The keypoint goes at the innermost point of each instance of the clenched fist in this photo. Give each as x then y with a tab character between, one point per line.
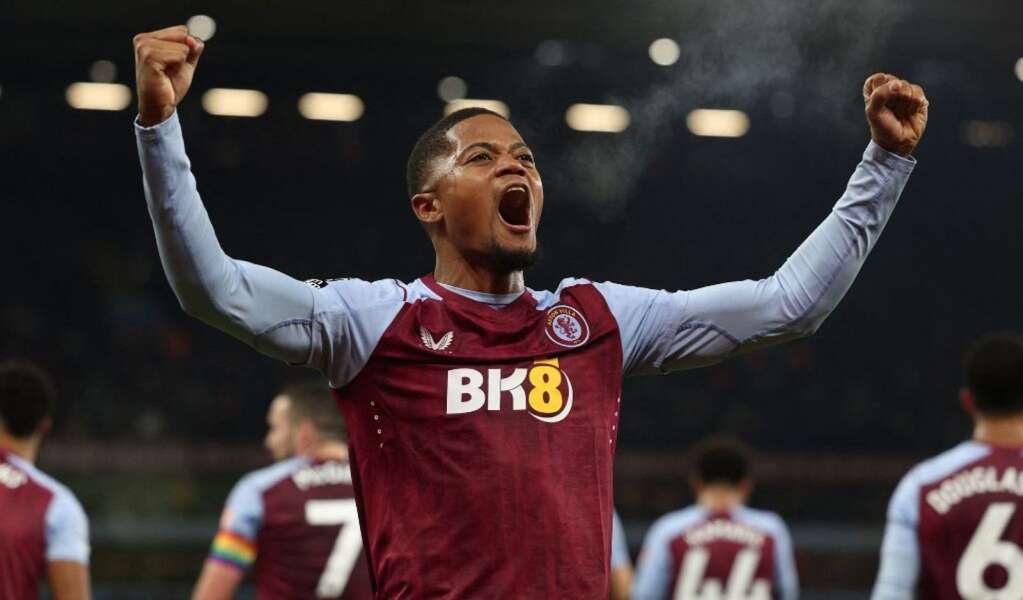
896	111
164	64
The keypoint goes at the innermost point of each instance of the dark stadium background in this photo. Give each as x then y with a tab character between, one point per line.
159	414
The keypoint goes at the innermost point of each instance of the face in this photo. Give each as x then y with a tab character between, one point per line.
280	435
488	194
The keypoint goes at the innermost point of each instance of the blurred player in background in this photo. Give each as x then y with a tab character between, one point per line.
955	524
44	534
482	414
297	518
718	548
621	564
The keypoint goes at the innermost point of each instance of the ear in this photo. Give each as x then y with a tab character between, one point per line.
426	206
306	437
695	484
44	427
967	401
745	488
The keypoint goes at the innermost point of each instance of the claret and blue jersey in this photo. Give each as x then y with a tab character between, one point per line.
955	528
483	426
696	553
40	521
297	521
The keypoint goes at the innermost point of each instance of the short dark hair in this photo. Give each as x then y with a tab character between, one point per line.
434	143
27	397
994	373
311	399
722	460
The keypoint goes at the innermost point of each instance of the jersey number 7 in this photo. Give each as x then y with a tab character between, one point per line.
346	548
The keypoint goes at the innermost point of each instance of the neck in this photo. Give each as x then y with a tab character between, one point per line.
454	269
327	451
999	431
719	498
26	448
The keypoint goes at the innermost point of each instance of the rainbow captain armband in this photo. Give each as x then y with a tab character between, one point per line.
233	549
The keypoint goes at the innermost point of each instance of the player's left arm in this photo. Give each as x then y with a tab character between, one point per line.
664	331
900	550
653	568
67	548
218	581
234	548
621	565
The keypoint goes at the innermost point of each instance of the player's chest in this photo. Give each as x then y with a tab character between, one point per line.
546	365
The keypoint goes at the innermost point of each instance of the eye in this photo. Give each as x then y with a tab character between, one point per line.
479	157
527	158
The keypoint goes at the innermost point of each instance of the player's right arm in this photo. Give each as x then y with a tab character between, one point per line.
67	548
331	328
226	293
900	551
68	580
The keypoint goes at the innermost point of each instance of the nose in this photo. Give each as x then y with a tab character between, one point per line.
509	165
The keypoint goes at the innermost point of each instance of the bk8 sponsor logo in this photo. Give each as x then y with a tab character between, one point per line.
543	390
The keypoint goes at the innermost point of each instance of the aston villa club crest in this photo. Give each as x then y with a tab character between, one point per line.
565	326
439	345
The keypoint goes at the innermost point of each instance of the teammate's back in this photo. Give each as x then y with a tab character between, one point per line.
296	519
43	529
717	548
954	525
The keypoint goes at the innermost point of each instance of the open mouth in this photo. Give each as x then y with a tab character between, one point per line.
514	207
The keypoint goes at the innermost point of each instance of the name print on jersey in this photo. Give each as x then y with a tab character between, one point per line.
978	480
11	477
549	395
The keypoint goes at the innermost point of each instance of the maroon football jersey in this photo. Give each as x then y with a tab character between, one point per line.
298	519
40	521
723	558
695	554
518	405
970	529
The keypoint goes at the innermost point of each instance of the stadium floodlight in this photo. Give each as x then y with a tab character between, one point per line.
98	96
987	134
664	52
103	71
712	122
202	27
452	88
228	102
331	107
1019	69
604	118
495	105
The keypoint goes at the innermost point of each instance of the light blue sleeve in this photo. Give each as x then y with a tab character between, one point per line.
653	568
243	511
332	330
900	551
67	529
664	331
619	545
785	566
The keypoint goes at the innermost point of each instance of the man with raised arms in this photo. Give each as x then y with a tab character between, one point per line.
482	414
